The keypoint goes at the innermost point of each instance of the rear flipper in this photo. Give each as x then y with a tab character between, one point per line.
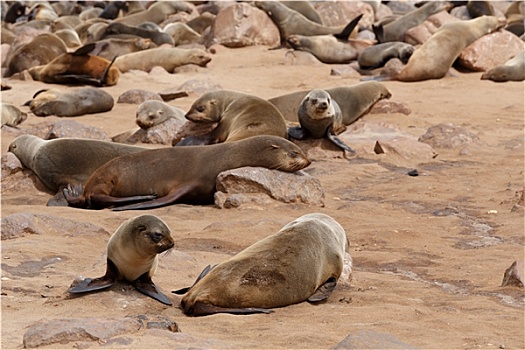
145	285
73	195
337	141
324	291
58	200
202	309
296	132
92	285
348	29
196	140
204	272
162	201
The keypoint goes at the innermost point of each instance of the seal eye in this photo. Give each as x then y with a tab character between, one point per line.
156	237
314	101
294	154
200	109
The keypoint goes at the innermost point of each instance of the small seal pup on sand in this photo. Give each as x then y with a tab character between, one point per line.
303	261
320	116
151	113
168	58
133	256
164	176
11	115
512	70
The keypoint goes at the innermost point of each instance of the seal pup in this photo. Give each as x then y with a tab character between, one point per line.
132	255
64	161
354	100
239	116
151	113
319	117
512	70
78	67
164	176
70	103
435	57
378	55
301	262
168	58
11	115
156	13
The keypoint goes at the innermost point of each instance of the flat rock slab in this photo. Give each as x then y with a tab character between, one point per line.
162	133
137	96
372	340
447	135
252	182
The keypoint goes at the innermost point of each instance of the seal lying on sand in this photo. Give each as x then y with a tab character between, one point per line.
133	256
303	261
512	70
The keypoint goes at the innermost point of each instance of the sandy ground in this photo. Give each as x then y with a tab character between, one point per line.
429	251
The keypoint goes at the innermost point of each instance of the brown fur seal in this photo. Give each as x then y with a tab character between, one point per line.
156	13
11	115
181	33
77	68
301	262
151	113
354	100
239	116
512	70
167	58
74	102
133	256
305	8
435	57
158	37
319	117
111	48
69	37
60	162
41	50
378	55
165	176
395	30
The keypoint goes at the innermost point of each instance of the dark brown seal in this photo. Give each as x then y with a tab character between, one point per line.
133	256
164	176
378	55
301	262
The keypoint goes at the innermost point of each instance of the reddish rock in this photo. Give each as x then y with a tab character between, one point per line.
71	128
340	13
300	58
385	106
158	134
345	71
137	96
10	164
514	275
448	136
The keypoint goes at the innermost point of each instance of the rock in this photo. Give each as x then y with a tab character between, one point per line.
401	7
199	87
461	13
385	106
316	149
243	25
162	133
514	275
491	50
405	147
20	224
340	13
372	340
63	331
297	187
71	128
419	34
10	164
297	58
192	129
448	136
382	11
137	96
344	71
172	94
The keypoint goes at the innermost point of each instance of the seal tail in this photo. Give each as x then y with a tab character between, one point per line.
349	28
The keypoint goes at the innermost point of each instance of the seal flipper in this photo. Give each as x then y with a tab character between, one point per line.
102	200
324	291
84	50
348	29
297	132
204	272
104	77
145	285
196	140
171	197
379	32
337	141
202	309
92	285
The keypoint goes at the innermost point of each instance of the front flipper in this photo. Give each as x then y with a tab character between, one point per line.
324	291
202	309
337	141
296	132
204	272
162	201
92	285
145	285
348	29
196	140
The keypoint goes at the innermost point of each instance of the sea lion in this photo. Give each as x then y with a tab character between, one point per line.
64	161
11	115
301	262
396	29
69	37
42	11
354	100
201	22
305	8
165	176
435	57
78	67
512	70
151	113
70	103
116	29
111	48
41	50
112	9
168	58
132	255
239	116
181	33
480	8
320	116
15	10
156	13
378	55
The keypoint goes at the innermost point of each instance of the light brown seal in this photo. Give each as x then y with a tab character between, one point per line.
64	161
11	115
151	113
512	70
77	68
239	116
115	30
70	103
354	101
165	176
301	262
305	8
156	13
111	48
320	116
132	255
435	57
378	55
168	58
